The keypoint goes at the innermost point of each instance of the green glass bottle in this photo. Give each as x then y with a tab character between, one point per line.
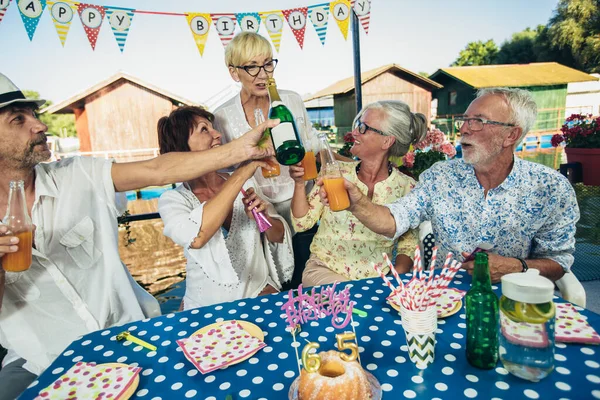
286	140
482	317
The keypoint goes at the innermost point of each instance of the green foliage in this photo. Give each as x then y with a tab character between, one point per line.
571	37
424	74
62	125
424	160
477	53
124	222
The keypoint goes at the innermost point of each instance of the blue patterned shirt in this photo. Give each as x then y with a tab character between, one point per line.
532	214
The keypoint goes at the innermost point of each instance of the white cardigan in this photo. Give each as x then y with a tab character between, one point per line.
230	120
225	269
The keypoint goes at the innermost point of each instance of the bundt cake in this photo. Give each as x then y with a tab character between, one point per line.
336	379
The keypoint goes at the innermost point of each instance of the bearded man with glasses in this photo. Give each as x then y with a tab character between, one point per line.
525	212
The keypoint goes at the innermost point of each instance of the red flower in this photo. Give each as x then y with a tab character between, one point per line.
348	138
556	140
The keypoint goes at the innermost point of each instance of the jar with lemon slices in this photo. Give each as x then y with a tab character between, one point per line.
527	325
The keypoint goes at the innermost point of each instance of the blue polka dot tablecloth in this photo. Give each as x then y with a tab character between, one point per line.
166	374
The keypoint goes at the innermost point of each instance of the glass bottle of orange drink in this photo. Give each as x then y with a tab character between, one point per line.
19	224
259	118
332	177
309	162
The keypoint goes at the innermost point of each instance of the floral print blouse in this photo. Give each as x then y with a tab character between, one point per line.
342	242
532	214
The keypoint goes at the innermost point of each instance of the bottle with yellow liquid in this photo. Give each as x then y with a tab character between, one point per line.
275	170
527	325
332	177
19	224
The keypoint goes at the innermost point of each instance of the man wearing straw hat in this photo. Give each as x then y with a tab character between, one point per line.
76	282
524	211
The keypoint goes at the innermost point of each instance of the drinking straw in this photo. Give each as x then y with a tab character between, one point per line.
358	312
394	272
389	284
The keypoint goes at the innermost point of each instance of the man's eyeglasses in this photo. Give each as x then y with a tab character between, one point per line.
477	124
254	70
363	128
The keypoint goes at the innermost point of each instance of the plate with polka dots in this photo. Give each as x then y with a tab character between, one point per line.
449	303
249	327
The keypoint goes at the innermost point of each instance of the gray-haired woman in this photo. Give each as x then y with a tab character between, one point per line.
343	248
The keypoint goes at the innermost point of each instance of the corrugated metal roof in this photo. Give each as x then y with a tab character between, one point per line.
347	85
515	75
64	106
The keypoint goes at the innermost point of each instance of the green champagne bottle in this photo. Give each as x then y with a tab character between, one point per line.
482	317
285	137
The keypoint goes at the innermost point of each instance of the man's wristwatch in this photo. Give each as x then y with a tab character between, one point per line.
523	263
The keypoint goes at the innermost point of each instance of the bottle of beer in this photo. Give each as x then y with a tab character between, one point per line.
19	224
482	317
286	140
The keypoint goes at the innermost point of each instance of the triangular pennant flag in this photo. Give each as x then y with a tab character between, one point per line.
319	15
274	23
296	18
3	7
225	24
362	9
340	9
200	26
62	13
31	11
248	22
119	20
91	17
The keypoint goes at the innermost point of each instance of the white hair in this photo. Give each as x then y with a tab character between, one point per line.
407	127
523	109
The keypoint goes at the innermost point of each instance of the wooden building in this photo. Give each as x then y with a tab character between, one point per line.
118	116
546	81
389	82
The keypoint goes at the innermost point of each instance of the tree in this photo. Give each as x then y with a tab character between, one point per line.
575	30
62	125
477	53
520	49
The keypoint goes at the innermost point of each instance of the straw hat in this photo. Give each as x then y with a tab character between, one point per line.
9	94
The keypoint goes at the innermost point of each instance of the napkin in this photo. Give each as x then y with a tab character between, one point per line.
89	381
571	327
523	333
219	347
446	304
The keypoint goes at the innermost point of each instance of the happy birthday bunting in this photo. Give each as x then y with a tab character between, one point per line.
274	23
31	11
62	13
3	7
119	20
200	26
296	18
362	9
91	17
248	22
225	24
340	9
319	15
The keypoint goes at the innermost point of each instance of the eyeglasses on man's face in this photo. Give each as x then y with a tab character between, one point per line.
254	70
477	124
363	128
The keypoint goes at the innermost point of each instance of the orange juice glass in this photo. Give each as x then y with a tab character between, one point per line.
309	163
21	259
336	193
273	172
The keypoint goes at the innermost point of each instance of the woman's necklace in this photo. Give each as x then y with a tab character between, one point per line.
390	166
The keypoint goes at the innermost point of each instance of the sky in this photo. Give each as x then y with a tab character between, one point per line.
419	35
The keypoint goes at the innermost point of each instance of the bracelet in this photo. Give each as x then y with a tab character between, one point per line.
523	263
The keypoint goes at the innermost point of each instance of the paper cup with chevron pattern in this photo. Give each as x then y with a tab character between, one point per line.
419	327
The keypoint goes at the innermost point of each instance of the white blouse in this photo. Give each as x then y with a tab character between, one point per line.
225	268
230	120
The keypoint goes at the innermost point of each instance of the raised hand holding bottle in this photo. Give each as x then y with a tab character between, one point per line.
337	195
